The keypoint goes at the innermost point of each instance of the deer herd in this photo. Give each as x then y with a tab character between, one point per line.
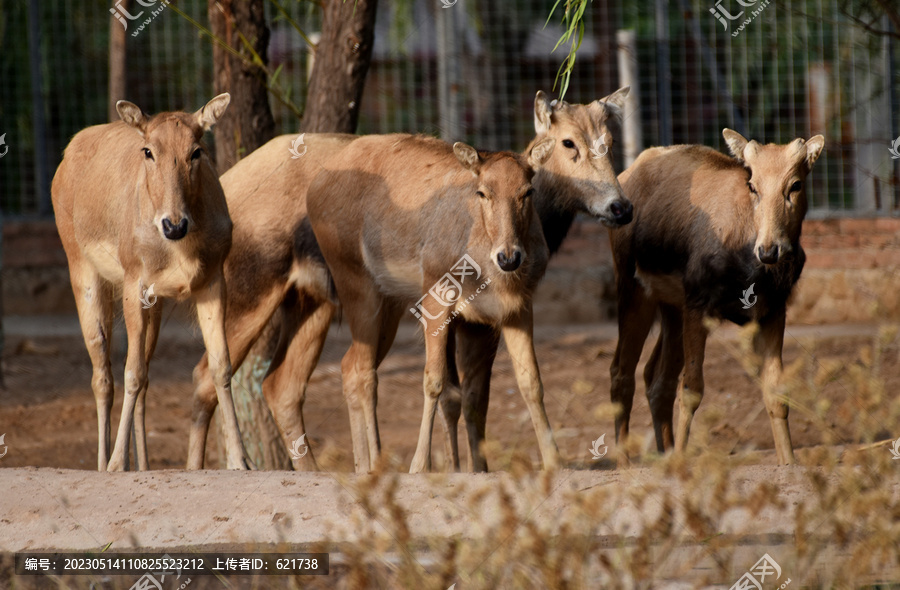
384	227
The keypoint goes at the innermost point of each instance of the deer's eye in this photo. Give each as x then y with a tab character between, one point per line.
795	188
568	143
196	154
481	195
752	188
148	154
528	194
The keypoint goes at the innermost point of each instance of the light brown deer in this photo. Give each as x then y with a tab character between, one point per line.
275	263
275	266
400	220
715	237
141	215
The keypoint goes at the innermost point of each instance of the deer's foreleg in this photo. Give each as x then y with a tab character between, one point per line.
518	333
433	383
768	344
154	316
476	350
136	323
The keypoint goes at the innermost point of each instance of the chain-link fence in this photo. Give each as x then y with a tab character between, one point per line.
469	70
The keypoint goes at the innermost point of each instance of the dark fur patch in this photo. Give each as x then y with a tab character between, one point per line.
715	283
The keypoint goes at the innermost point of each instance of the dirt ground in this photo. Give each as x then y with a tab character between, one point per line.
48	413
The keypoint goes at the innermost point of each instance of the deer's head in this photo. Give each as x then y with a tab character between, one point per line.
175	162
777	186
580	174
503	188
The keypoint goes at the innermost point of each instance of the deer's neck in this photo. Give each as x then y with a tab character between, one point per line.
554	209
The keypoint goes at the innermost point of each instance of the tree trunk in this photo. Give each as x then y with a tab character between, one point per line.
342	61
118	79
335	90
247	125
248	122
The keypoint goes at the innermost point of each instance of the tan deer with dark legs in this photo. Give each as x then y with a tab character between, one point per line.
138	205
707	228
577	178
395	218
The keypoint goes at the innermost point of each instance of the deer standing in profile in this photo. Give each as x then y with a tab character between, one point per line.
708	231
140	210
275	265
395	216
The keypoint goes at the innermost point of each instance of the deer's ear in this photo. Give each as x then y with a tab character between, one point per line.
468	157
540	153
736	143
212	111
814	147
132	115
615	102
543	112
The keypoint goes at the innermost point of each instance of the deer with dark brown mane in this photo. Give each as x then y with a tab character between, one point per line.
141	214
275	265
713	237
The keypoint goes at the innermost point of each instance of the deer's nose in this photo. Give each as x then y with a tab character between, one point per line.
622	212
767	255
174	231
509	263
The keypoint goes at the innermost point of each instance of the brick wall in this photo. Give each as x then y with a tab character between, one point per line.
852	273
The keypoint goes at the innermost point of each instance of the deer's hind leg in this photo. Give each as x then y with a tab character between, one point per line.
95	298
662	373
636	314
694	338
243	327
304	330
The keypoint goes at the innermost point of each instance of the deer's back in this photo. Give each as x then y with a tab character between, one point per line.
94	192
691	241
266	194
